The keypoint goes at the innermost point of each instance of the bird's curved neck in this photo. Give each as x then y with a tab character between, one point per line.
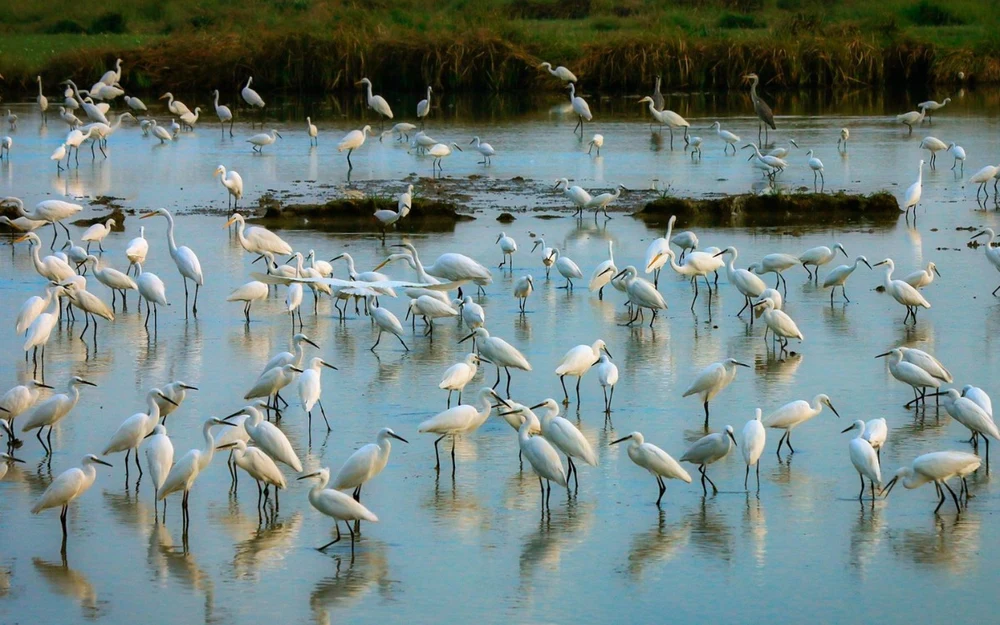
170	233
209	451
154	409
350	265
368	85
216	99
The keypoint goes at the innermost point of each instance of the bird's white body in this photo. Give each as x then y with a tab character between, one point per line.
176	393
653	459
270	439
263	139
604	271
299	342
151	287
909	373
729	138
272	381
231	180
376	102
257	464
457	376
159	456
18	399
40	330
822	255
541	455
970	414
709	449
565	436
461	419
335	504
559	72
366	463
863	456
795	413
753	439
68	485
976	394
922	277
580	106
901	291
915	191
257	239
928	363
54	409
185	471
778	321
500	352
98	232
712	380
876	432
577	195
566	267
133	430
311	384
578	361
838	275
250	96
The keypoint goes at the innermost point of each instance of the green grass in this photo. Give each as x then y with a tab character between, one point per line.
530	29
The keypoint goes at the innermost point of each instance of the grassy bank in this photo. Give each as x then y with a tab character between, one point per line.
321	45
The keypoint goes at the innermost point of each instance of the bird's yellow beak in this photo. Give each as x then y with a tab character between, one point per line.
229	223
147	215
21	238
381	264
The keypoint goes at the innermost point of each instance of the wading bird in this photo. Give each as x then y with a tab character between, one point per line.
336	505
707	450
186	260
794	414
658	462
186	470
760	108
937	467
69	485
712	380
864	459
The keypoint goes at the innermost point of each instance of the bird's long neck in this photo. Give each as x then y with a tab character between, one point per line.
74	396
428	95
887	276
350	265
89	475
38	259
572	91
611	252
369	86
154	410
216	99
170	234
40	85
209	451
753	89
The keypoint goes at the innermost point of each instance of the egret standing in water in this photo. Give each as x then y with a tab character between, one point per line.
186	470
253	100
257	239
485	149
53	410
566	437
310	389
658	462
607	375
577	362
794	414
908	373
352	141
268	437
543	458
458	376
261	140
508	246
913	193
712	380
819	256
707	450
159	458
233	183
641	294
67	487
424	106
838	277
603	272
462	419
522	289
336	505
186	260
903	292
580	108
130	434
499	352
992	253
864	459
366	463
754	437
937	467
376	102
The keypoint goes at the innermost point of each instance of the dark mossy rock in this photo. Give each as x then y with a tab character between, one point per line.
117	214
783	209
356	215
505	218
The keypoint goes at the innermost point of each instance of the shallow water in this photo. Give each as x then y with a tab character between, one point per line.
803	544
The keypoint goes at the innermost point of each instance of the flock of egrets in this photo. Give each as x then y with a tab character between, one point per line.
259	447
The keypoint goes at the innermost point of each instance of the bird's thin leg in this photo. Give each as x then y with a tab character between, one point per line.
758	476
746	477
335	540
578	379
953	496
453	456
661	487
706	414
941	494
437	458
508	396
862	493
323	412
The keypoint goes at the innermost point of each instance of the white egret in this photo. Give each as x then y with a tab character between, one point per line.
485	149
712	380
776	264
972	416
322	267
603	272
845	134
422	141
233	182
707	450
928	363
933	145
264	139
151	289
387	217
133	430
729	138
52	268
40	330
352	141
596	142
668	117
794	414
137	249
53	410
69	485
566	437
522	289
253	99
864	458
113	76
658	462
34	306
52	211
6	458
5	145
547	260
376	102
753	439
816	166
271	382
311	389
770	165
230	436
958	152
819	256
67	116
401	130
932	105
783	152
224	114
386	322
257	239
135	104
910	118
159	132
913	193
922	277
440	151
190	119
17	400
937	467
992	253
543	458
641	293
577	195
580	108
974	393
430	309
11	120
176	393
366	463
459	420
299	341
91	305
74	253
559	72
176	107
451	267
838	277
656	252
312	131
424	106
694	267
98	232
577	362
508	246
607	376
760	107
749	285
186	470
566	268
22	224
910	374
248	294
601	202
902	292
186	260
42	101
499	352
876	433
336	505
259	466
473	315
268	437
457	376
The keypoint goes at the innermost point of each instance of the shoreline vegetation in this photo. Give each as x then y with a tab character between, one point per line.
316	46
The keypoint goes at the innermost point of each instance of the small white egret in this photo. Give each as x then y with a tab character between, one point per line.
712	380
658	462
601	202
98	232
641	293
485	149
937	467
257	239
922	277
312	131
175	394
430	309
580	108
933	145
707	450
776	264
271	382
543	458
499	352
902	292
508	246
908	373
729	138
336	505
910	118
151	289
299	342
386	217
864	458
559	72
259	466
462	419
224	114
566	437
268	437
992	253
819	256
566	268
838	277
440	151
577	362
376	102
248	294
958	152
876	433
186	470
386	322
522	289
749	285
366	463
932	105
607	376
547	260
352	141
233	182
186	260
69	485
816	166
577	195
913	193
603	272
457	376
53	410
972	416
753	439
264	139
794	414
424	106
133	430
596	142
137	249
253	99
845	134
311	389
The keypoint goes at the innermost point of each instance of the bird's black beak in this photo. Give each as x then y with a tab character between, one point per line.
607	352
468	337
398	437
311	343
4	409
883	355
834	410
235	414
847	429
741	364
732	438
99	461
188	387
719	254
498	239
10	457
621	440
165	398
888	487
870	267
501	399
537	406
617	275
328	365
936	271
40	385
89	384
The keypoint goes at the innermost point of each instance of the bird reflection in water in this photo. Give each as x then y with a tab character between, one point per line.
709	532
557	530
168	563
354	579
266	548
657	545
67	582
952	543
755	528
866	535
